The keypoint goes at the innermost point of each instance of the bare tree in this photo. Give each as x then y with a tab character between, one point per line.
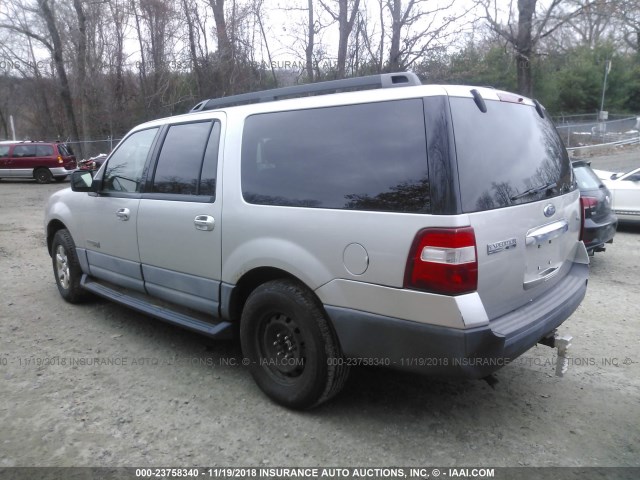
524	36
345	16
415	29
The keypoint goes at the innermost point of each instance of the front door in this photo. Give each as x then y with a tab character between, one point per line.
109	219
179	219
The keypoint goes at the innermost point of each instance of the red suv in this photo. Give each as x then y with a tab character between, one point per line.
39	160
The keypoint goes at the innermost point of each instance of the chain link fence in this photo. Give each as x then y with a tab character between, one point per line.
580	131
90	148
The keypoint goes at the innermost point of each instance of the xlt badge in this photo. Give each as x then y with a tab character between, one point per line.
500	246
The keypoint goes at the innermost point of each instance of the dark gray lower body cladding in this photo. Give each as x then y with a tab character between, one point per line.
150	306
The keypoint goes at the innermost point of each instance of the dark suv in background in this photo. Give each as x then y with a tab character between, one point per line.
42	161
599	223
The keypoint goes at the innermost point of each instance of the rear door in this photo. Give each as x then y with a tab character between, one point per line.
179	218
517	187
21	161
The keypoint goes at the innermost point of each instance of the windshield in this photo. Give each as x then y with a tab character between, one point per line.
507	156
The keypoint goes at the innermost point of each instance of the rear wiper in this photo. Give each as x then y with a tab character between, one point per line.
533	190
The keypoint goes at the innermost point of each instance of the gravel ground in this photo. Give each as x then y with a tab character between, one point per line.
161	396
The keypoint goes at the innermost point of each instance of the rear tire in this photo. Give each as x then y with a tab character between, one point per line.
43	175
294	355
66	267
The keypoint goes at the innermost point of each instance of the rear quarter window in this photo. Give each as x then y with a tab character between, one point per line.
20	151
358	157
507	156
44	151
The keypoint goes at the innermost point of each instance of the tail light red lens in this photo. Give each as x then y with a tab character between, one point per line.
588	205
444	261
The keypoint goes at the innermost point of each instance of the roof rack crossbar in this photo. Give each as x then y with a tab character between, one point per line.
385	80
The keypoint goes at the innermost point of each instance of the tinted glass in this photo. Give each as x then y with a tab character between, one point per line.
210	165
180	160
507	156
362	157
4	151
125	168
586	178
24	151
44	150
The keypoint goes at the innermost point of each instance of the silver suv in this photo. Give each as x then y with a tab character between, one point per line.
420	227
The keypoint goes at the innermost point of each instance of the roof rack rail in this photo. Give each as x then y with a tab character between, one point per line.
385	80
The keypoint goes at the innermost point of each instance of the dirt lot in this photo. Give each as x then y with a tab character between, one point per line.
173	398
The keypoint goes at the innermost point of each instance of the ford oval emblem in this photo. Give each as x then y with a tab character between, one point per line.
549	210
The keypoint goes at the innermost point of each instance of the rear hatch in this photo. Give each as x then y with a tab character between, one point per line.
517	186
68	157
591	186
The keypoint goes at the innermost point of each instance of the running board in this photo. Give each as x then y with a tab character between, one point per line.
142	303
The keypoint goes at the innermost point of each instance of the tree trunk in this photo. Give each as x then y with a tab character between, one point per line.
310	43
345	26
224	44
524	46
395	8
82	68
58	60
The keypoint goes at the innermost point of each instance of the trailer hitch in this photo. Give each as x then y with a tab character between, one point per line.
562	344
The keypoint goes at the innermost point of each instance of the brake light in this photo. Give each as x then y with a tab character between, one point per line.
443	260
588	205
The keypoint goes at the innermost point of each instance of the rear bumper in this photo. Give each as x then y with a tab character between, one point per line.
372	339
598	233
61	171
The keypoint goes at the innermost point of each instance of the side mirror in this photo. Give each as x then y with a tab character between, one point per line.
82	181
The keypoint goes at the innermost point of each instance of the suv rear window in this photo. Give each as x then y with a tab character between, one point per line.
359	157
65	150
507	156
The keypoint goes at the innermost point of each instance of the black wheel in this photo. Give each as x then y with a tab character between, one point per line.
66	268
43	175
293	353
60	179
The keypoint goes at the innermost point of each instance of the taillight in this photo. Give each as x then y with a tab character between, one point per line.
60	159
443	260
588	205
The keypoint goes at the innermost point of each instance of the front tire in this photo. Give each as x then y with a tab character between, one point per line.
43	175
66	267
293	353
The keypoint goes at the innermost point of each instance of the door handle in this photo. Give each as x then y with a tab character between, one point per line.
547	232
204	222
123	214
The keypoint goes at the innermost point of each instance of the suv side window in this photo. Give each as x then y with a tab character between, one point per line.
44	151
125	169
4	151
359	157
187	163
21	151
